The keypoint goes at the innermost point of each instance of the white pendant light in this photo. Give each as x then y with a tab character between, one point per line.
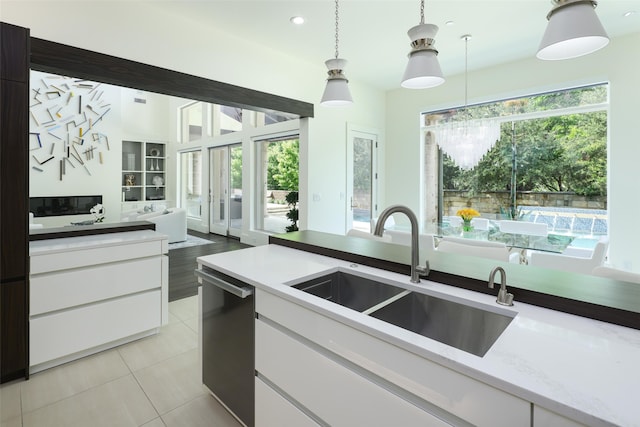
423	70
573	30
336	93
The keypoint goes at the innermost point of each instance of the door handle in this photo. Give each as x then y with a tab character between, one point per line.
224	285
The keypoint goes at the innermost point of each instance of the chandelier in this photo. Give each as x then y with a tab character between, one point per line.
467	140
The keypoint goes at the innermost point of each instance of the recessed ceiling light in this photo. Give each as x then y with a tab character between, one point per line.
629	13
449	23
298	20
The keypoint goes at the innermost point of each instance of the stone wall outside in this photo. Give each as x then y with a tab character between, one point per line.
489	204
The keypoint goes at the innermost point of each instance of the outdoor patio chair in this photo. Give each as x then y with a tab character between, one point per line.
571	263
524	227
614	273
477	248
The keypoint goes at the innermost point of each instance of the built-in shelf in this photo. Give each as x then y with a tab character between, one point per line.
143	171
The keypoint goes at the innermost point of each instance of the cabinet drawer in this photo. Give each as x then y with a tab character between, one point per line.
69	288
75	258
274	410
314	380
457	394
545	418
70	331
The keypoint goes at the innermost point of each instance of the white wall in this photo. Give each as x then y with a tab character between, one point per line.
617	64
140	32
93	178
125	120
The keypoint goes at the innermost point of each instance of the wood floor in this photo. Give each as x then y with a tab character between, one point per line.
182	263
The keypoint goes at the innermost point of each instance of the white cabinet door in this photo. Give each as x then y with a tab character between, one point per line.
274	410
70	288
454	393
69	331
334	393
545	418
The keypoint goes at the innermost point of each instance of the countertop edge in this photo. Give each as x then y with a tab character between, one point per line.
572	411
576	307
88	230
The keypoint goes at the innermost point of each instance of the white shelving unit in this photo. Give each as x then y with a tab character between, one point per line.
143	172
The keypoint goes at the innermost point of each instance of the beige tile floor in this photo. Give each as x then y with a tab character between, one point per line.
152	382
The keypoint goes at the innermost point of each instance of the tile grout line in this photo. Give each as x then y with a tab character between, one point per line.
118	377
74	395
148	399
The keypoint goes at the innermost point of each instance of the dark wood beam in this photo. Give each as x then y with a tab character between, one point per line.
52	57
14	202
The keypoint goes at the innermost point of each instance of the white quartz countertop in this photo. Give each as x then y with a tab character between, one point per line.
584	369
65	244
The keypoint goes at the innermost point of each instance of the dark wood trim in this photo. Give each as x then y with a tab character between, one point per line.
18	54
14	347
52	57
14	202
368	253
89	230
14	53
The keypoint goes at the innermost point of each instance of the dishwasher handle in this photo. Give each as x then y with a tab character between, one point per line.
241	292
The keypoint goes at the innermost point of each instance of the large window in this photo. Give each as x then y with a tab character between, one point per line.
191	183
191	122
277	195
550	161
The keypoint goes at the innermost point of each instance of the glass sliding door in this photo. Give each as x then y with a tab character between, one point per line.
225	174
235	190
191	183
218	174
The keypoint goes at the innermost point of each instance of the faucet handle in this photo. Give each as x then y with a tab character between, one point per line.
423	271
504	297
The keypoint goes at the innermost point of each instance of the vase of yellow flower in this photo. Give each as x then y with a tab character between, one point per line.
467	214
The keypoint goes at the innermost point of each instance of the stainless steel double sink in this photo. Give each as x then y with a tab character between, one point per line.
462	326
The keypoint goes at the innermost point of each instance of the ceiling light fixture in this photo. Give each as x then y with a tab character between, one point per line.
423	70
336	93
467	140
573	30
297	20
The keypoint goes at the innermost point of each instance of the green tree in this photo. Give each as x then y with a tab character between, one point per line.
283	165
560	153
236	167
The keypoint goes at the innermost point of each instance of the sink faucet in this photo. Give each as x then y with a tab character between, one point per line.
504	298
416	270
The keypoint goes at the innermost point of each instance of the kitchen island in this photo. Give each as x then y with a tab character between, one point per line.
321	363
93	291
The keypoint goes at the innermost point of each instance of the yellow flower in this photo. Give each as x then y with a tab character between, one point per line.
467	213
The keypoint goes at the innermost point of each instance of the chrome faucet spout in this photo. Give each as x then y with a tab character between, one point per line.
504	297
416	270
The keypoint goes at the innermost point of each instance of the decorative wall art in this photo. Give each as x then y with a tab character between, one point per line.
65	117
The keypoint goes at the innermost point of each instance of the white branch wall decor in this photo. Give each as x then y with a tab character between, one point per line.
65	118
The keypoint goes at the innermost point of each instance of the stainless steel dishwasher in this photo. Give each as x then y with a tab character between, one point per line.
228	365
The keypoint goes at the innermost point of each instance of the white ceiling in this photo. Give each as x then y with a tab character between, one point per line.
373	33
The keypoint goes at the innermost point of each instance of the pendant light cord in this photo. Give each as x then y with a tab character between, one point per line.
466	38
337	29
466	71
422	12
